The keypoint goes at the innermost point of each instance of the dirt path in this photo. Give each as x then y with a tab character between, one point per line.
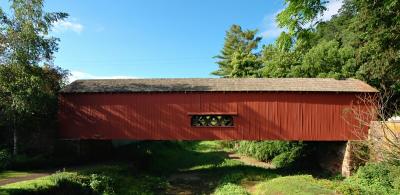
188	183
30	176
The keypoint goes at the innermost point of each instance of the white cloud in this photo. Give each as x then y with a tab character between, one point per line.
63	25
76	75
332	8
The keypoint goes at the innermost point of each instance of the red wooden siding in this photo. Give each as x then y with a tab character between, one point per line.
166	116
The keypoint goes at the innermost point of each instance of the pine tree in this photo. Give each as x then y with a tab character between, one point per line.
238	57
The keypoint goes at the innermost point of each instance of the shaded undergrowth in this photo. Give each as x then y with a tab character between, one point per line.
159	168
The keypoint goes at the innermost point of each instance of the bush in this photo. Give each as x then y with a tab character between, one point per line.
373	178
262	150
5	159
281	153
92	184
70	183
101	184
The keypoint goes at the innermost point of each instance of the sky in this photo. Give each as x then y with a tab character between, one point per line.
154	38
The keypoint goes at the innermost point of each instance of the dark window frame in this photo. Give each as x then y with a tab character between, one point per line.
221	120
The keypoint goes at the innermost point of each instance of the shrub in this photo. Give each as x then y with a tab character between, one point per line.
288	158
73	182
373	178
281	153
70	183
101	184
261	150
5	159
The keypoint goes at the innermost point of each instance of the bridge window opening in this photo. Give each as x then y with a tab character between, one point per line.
212	121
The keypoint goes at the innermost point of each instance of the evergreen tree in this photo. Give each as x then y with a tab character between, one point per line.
239	58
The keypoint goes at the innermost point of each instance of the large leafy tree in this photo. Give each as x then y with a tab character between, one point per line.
361	41
28	85
238	57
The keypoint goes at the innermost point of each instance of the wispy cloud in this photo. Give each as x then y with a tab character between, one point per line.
76	75
332	8
65	25
270	28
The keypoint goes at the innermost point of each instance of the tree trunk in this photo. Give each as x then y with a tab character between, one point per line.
15	138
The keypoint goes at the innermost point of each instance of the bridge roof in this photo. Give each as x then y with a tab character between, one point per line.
217	85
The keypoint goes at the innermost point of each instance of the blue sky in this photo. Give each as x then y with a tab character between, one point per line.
154	38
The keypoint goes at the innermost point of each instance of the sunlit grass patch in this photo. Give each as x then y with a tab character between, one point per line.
230	189
42	182
299	184
9	174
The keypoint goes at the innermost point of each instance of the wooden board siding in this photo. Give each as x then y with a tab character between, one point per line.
166	116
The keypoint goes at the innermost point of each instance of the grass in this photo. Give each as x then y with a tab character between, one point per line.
198	167
299	184
10	174
31	184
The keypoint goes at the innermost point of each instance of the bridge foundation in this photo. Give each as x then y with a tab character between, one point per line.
338	157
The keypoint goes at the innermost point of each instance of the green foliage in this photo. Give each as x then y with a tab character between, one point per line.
101	183
281	153
232	178
28	84
263	150
214	172
230	189
378	178
299	13
359	42
299	184
64	183
70	182
26	33
288	158
238	57
5	159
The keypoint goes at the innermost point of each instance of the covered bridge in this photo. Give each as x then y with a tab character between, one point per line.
209	109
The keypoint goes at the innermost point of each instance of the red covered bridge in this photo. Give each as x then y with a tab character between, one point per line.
208	109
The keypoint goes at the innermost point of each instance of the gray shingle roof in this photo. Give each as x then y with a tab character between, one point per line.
217	84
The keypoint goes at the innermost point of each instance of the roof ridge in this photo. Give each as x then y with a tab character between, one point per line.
217	84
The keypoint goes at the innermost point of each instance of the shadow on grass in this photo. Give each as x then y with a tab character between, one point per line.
164	157
147	168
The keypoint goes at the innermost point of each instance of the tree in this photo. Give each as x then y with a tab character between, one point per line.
361	42
238	57
28	89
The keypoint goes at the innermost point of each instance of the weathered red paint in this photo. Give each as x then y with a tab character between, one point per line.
166	116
